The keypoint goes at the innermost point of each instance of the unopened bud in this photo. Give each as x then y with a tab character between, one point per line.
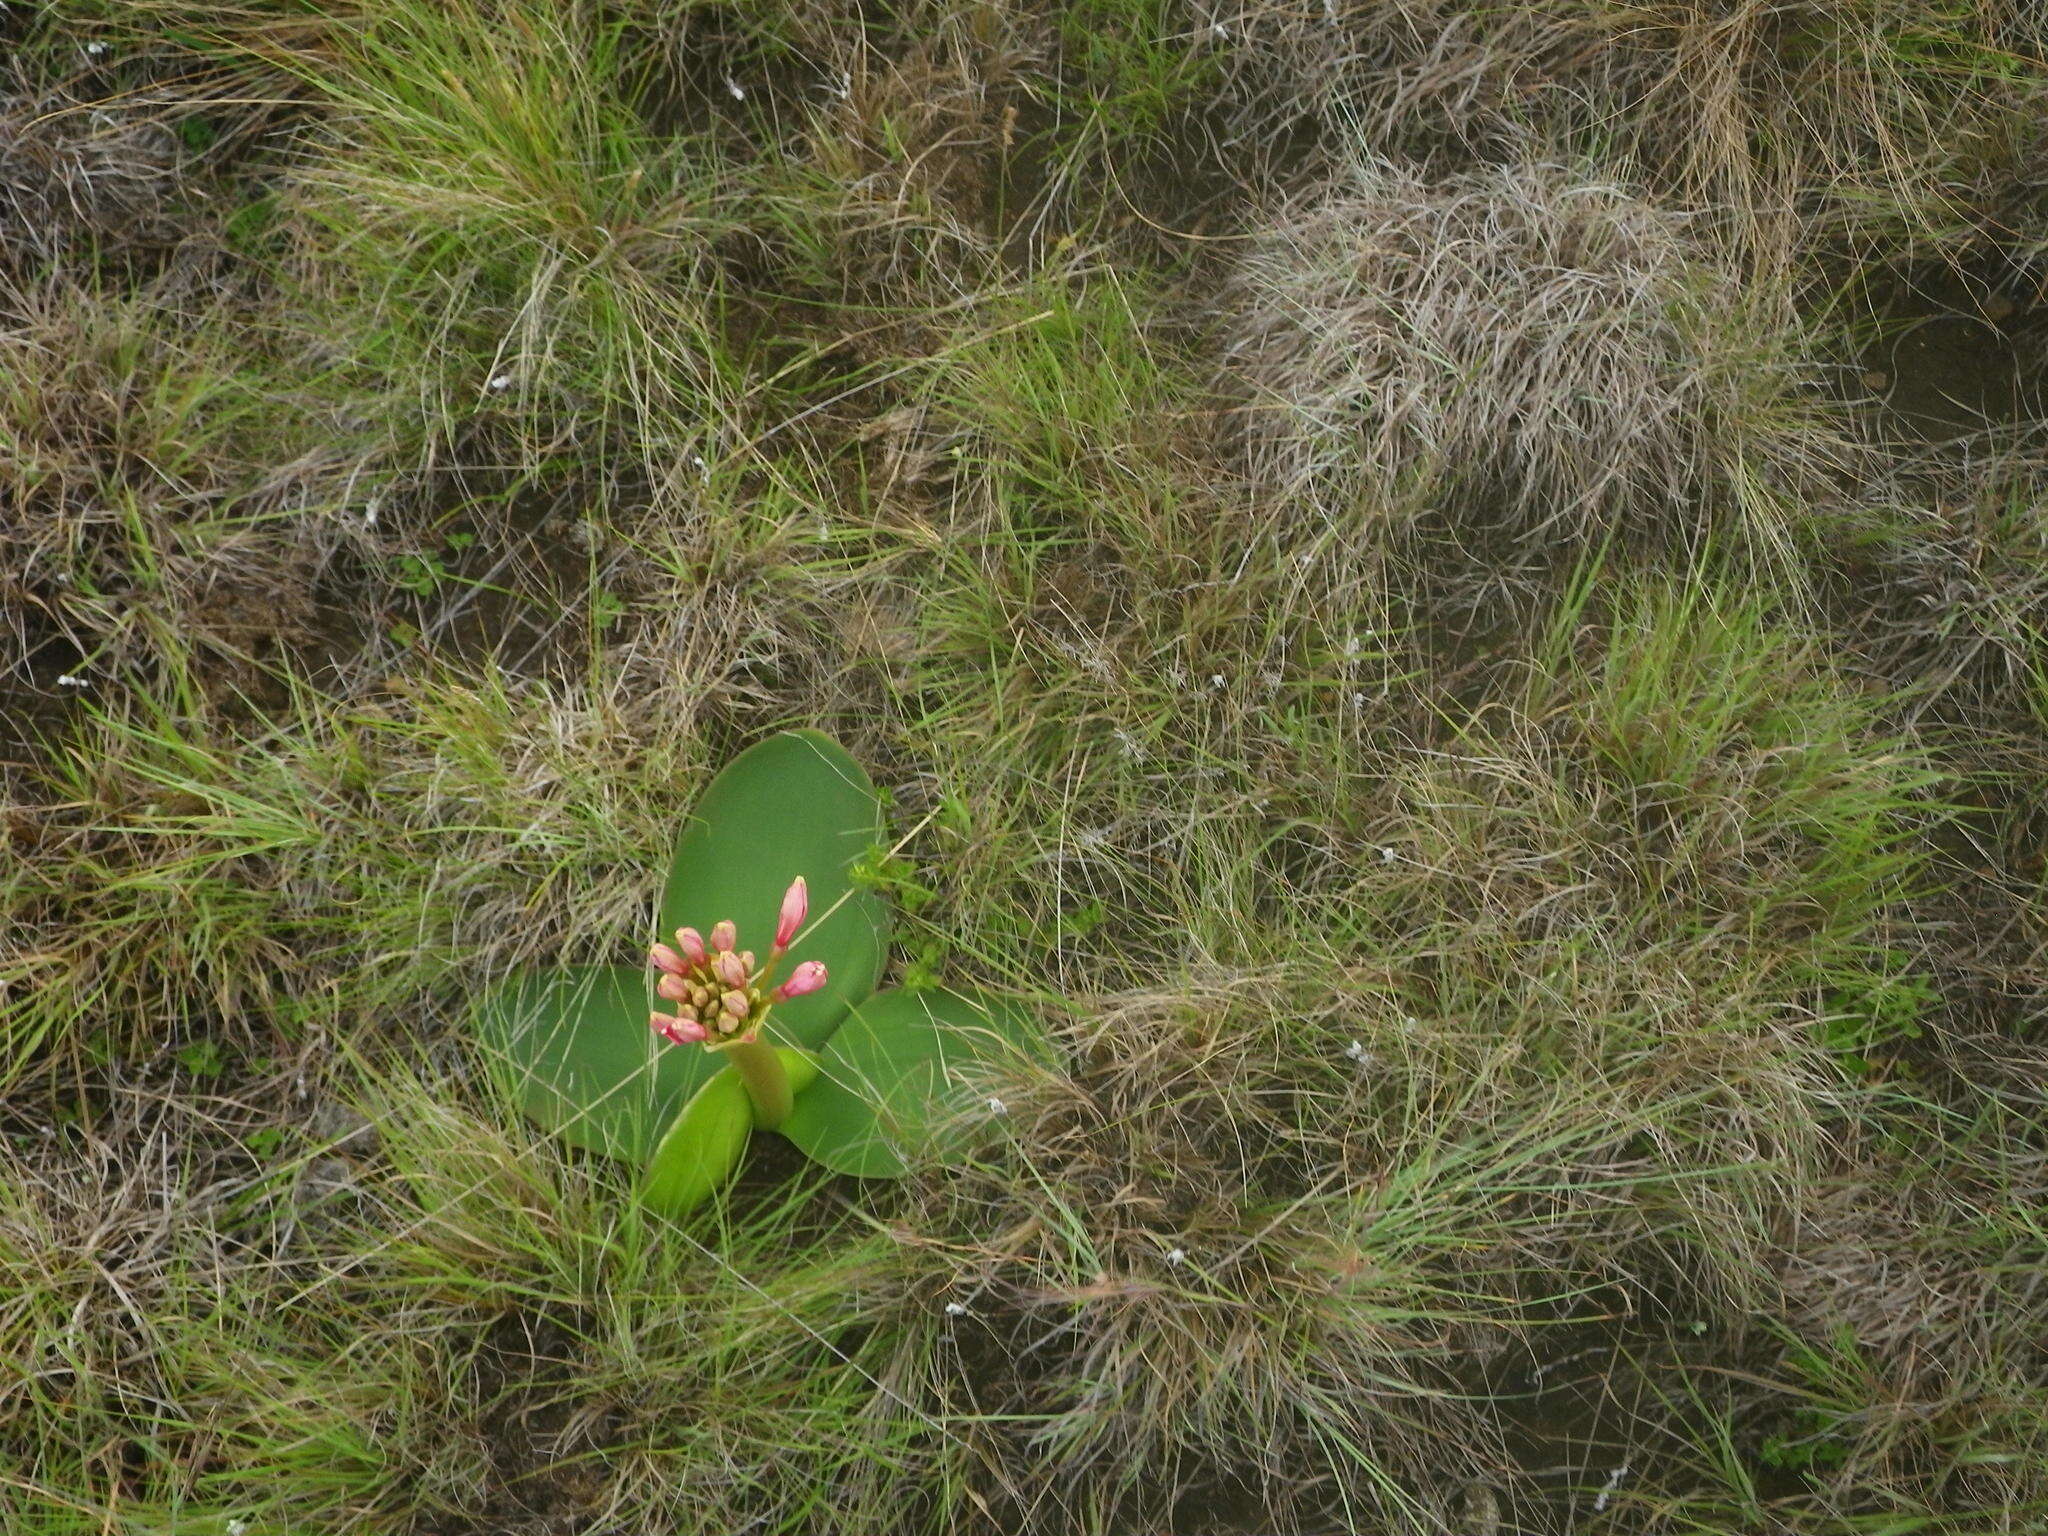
723	937
730	969
693	944
677	1031
663	958
806	978
796	901
737	1003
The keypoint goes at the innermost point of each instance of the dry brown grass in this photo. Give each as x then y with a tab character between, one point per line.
1856	121
1526	350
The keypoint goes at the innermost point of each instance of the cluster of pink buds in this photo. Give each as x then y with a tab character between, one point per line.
721	998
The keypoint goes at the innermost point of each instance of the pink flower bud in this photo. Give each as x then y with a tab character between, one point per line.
677	1031
730	969
674	988
723	937
737	1004
693	944
807	977
796	901
662	958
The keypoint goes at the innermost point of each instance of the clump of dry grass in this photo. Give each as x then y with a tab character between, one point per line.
1527	349
1159	1300
74	173
1951	567
1912	1296
153	500
888	198
1825	120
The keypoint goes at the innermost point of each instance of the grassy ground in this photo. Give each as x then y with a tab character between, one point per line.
1460	590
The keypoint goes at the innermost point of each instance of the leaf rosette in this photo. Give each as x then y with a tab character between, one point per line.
860	1080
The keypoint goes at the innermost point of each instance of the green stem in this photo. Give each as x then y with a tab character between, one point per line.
766	1081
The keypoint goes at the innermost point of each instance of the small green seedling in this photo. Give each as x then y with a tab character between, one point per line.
854	1077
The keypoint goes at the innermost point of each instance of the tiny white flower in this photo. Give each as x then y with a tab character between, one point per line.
1216	679
370	513
237	1528
1388	855
1607	1490
1356	1050
501	381
997	1106
1220	30
1358	701
733	89
702	464
956	1309
94	50
66	680
1176	1256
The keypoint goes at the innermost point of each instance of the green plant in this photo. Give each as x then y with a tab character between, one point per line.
1810	1446
852	1076
1869	1017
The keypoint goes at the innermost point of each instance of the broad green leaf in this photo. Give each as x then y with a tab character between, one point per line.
795	804
894	1070
802	1067
702	1149
584	1061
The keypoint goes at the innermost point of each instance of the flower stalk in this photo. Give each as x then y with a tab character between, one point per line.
765	1079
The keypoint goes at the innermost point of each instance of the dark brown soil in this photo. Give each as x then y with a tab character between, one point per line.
1953	356
539	1485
